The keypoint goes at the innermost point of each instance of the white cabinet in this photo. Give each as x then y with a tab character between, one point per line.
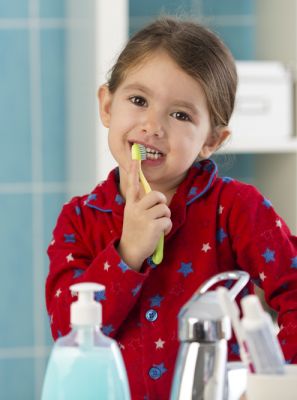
275	158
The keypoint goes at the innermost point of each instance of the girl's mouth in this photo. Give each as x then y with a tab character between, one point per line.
150	153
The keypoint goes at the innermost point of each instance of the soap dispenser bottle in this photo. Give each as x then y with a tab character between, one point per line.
85	364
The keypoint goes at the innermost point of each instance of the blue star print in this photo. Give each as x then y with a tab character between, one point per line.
77	210
267	203
78	272
100	295
294	262
69	238
221	235
123	266
107	329
244	292
185	269
193	191
268	255
161	368
136	290
119	199
156	300
228	283
235	348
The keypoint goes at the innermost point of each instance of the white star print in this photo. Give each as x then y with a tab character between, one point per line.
159	344
278	223
52	319
262	276
58	292
106	266
121	346
221	208
69	257
52	242
205	247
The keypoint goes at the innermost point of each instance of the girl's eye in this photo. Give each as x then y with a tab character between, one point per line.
181	116
138	101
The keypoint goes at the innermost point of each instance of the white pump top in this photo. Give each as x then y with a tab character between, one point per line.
86	311
252	308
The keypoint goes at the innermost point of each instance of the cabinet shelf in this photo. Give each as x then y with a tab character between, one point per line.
277	146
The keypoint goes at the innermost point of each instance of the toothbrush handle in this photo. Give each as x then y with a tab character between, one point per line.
144	182
158	253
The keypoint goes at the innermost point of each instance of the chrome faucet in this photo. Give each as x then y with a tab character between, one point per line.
204	329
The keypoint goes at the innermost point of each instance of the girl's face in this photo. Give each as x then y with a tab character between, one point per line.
163	108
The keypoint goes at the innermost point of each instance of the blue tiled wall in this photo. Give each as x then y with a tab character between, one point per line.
15	155
14	8
32	182
234	22
17	378
53	104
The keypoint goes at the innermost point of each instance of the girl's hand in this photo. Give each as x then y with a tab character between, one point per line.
145	219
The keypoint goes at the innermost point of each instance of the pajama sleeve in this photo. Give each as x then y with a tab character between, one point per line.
265	247
73	259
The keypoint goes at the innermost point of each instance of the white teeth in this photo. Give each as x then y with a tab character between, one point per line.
153	156
152	151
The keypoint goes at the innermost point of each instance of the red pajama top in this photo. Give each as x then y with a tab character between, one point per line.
219	224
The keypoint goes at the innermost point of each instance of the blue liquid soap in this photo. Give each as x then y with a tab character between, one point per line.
86	365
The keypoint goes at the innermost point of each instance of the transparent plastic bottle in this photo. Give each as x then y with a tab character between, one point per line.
263	346
86	364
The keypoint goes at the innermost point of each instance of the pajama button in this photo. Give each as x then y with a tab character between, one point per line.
151	315
155	373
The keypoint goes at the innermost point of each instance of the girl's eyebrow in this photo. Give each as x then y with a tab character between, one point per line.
188	105
137	86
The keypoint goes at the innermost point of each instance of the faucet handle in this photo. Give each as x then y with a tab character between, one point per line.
241	277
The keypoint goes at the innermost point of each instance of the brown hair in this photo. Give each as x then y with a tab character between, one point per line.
197	50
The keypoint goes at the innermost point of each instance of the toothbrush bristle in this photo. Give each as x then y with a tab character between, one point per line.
142	151
138	152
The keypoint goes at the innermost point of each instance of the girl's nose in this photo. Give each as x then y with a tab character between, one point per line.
152	125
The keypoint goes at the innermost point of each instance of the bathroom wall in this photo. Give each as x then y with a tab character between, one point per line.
34	159
32	181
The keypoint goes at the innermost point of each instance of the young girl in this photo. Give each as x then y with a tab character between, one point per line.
172	90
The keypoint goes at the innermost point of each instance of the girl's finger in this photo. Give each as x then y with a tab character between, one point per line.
132	190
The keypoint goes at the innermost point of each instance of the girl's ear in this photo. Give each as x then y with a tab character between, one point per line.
104	98
214	141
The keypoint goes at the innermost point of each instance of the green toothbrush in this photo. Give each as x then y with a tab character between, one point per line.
138	152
